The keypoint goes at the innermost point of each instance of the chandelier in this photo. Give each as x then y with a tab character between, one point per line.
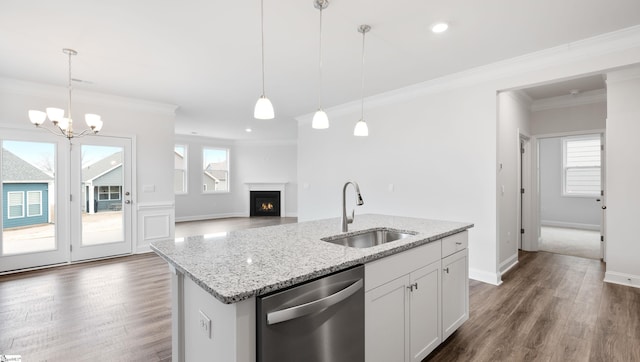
63	126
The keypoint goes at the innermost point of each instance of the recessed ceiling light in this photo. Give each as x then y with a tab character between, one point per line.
194	132
439	27
248	129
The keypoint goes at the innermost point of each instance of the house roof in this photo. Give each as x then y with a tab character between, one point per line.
100	167
15	168
217	170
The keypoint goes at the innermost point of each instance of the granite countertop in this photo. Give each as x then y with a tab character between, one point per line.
242	264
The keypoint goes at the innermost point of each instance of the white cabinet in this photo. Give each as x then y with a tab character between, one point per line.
402	314
414	300
455	292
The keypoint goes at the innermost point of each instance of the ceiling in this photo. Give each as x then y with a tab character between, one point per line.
204	55
566	87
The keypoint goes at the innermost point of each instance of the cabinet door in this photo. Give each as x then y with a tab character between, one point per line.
386	327
425	311
455	292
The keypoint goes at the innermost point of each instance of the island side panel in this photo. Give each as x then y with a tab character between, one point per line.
230	334
177	315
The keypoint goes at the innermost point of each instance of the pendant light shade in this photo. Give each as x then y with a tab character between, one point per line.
263	108
361	129
320	118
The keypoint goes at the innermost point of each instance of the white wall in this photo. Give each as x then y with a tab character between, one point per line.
249	162
437	143
513	121
150	125
556	209
569	119
431	157
623	173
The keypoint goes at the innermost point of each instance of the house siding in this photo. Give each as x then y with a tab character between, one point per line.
26	220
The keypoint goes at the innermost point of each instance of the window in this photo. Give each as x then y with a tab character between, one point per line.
15	204
581	165
180	169
215	165
34	203
106	193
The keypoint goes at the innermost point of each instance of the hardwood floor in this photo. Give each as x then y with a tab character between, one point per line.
549	308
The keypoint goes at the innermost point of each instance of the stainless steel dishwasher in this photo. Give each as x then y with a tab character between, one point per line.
322	320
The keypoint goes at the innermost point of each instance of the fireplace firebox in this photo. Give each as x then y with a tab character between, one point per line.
264	203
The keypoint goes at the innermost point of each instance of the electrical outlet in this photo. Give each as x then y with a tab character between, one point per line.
205	324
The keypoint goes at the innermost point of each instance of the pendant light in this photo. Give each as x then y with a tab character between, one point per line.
361	128
264	108
320	119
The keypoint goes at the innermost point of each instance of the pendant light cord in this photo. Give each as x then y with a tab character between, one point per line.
70	126
262	37
320	63
362	76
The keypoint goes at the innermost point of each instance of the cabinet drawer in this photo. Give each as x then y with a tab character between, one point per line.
454	243
384	270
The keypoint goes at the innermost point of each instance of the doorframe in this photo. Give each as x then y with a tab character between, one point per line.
524	201
535	180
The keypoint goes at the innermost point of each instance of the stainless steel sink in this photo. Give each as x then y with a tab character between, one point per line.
369	238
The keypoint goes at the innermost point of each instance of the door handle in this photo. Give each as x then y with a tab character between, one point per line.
604	208
597	200
315	306
127	201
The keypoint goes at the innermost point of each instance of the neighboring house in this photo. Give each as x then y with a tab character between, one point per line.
102	184
25	192
215	177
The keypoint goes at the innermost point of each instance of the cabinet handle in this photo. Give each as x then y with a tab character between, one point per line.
411	286
416	285
446	270
458	243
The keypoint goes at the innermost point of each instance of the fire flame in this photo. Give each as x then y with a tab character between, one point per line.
267	206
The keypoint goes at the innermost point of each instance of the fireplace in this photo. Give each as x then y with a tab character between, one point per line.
264	203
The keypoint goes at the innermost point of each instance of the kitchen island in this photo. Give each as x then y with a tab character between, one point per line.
216	278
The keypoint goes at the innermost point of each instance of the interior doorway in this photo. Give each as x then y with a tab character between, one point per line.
570	194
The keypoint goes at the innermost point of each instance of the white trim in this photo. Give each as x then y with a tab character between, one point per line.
39	192
9	205
270	186
485	276
623	75
620	40
570	225
629	280
595	96
154	205
508	264
209	217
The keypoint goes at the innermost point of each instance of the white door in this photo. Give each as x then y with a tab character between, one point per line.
101	197
33	221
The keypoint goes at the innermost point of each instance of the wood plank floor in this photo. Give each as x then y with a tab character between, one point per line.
549	308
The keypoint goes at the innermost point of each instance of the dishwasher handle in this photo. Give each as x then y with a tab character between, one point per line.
315	306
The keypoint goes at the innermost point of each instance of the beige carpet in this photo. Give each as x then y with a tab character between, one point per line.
576	242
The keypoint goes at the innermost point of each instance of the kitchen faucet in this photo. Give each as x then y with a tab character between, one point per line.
345	219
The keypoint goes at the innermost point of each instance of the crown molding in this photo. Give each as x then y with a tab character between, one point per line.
623	75
604	44
594	96
33	89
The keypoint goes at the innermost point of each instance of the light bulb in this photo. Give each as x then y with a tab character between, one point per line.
55	114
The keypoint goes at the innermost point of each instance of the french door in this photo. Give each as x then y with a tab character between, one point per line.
100	197
63	201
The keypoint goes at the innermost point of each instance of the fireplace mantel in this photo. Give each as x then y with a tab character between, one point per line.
270	186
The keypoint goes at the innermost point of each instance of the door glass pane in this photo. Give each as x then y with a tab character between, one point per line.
28	194
102	179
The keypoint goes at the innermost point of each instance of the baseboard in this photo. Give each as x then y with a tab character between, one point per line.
622	279
209	217
506	265
485	277
143	249
571	225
